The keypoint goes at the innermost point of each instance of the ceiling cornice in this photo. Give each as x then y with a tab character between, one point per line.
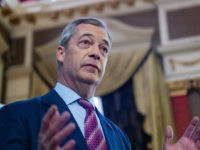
47	15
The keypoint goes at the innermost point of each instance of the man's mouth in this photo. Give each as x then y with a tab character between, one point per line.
92	66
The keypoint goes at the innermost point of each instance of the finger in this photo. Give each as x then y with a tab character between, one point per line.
196	135
47	118
168	135
45	126
55	117
56	125
62	134
69	145
191	127
197	144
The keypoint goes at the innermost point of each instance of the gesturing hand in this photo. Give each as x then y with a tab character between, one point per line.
189	141
52	132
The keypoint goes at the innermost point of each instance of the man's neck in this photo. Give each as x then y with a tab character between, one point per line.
85	91
82	89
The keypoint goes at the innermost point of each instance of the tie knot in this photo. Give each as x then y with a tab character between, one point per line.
86	104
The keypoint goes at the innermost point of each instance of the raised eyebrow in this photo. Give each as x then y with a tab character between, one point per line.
106	42
86	35
91	35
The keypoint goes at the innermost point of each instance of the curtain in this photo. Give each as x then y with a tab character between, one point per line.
3	48
119	106
152	100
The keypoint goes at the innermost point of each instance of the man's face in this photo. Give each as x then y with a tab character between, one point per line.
85	58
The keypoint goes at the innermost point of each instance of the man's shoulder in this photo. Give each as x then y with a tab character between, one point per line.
23	104
20	108
24	107
29	103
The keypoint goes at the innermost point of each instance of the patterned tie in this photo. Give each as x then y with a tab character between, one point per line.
93	134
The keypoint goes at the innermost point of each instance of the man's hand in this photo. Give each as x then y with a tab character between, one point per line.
52	132
189	141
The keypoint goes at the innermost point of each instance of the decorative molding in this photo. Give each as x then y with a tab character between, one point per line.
177	88
184	65
165	6
174	62
181	60
180	45
49	6
45	17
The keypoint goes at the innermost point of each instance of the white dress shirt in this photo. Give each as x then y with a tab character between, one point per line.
70	98
1	106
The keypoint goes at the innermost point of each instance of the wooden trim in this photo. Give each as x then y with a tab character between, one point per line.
181	87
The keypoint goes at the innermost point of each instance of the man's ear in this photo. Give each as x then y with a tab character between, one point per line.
60	53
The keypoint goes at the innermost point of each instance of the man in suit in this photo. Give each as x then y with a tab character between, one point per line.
44	122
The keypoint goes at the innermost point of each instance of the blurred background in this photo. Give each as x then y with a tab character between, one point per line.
153	73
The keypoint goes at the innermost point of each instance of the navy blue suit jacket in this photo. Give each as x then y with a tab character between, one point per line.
20	124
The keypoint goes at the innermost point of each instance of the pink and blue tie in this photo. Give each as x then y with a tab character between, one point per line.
93	134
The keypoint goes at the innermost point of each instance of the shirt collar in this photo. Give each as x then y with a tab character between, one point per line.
67	94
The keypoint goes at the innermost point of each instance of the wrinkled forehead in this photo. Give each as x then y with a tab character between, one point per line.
96	31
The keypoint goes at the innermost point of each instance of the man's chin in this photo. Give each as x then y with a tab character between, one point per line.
91	80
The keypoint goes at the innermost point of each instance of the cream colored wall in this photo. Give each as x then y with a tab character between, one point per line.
18	83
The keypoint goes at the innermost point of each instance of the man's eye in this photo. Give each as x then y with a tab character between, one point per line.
85	42
105	49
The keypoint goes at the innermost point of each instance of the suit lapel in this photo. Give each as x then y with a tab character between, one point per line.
52	98
107	130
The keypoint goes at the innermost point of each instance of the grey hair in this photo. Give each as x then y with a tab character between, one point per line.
70	29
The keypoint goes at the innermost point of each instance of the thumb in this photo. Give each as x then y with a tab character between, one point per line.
168	136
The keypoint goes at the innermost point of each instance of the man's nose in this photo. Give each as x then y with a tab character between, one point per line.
95	52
